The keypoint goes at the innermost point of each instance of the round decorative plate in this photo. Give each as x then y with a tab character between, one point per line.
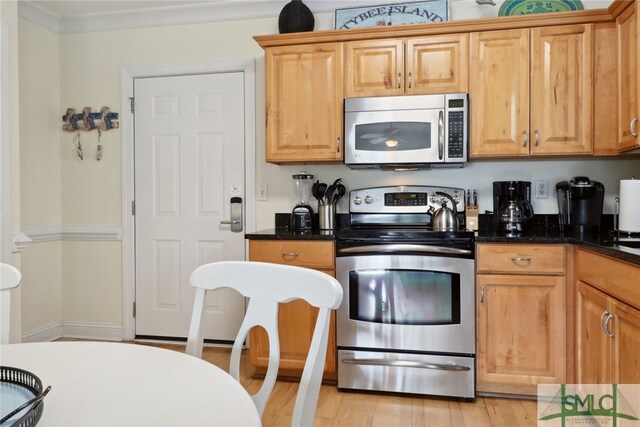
526	7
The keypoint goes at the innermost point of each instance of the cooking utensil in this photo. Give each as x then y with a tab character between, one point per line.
469	198
329	193
322	189
475	199
25	405
317	194
340	191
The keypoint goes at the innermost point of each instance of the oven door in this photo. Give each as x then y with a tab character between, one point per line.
394	137
407	303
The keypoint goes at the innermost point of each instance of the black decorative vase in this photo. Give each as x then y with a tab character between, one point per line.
295	17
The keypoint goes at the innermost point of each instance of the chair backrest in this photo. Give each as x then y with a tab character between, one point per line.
9	278
266	285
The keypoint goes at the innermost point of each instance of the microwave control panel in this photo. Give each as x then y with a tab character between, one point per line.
457	126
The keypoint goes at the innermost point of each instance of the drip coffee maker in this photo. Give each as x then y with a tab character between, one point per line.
302	214
511	205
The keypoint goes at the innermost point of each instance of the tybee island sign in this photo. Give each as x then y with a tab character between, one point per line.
392	14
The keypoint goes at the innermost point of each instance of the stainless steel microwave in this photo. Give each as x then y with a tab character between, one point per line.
406	132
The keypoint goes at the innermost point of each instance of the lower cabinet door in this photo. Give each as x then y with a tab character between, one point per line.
296	322
626	343
521	333
593	346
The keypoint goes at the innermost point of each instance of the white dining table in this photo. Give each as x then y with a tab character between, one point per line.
118	384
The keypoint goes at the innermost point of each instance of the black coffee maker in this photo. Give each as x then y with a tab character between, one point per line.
580	205
511	205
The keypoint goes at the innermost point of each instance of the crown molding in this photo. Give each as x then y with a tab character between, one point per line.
215	11
38	15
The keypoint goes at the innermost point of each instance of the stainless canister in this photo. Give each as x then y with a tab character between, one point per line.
327	217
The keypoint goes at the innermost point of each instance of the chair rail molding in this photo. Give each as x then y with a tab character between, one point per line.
90	232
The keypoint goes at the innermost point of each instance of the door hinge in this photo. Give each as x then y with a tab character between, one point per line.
132	101
133	207
134	309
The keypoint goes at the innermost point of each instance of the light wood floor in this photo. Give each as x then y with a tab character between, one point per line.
354	409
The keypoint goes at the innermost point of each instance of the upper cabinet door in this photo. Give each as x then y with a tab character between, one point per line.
437	64
303	94
499	93
374	68
628	76
561	90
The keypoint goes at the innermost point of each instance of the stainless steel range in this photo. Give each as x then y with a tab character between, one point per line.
407	321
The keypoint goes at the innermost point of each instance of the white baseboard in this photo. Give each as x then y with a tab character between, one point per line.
46	333
90	331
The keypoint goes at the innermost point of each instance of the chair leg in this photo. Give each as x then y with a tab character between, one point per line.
195	338
305	407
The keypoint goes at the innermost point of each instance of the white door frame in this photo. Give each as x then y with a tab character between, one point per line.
127	76
6	236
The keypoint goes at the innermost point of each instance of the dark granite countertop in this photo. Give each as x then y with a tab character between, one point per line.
283	233
543	229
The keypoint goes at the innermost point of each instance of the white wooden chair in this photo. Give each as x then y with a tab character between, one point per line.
9	278
266	285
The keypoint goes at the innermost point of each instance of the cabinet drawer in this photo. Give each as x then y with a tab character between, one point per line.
617	278
318	255
520	259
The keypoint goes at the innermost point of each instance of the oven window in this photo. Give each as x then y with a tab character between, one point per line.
404	297
393	136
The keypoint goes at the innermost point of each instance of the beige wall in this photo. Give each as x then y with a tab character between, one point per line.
9	17
90	191
39	53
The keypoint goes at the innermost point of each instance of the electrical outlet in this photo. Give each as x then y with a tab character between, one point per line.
542	189
263	192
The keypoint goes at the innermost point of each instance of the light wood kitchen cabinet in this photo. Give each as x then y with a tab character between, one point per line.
520	311
303	94
411	66
628	78
607	320
532	91
296	319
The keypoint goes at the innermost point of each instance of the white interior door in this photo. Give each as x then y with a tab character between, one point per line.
189	162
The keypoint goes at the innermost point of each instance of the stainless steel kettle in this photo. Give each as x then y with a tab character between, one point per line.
444	218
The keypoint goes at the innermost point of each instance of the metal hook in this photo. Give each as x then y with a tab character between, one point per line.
79	146
99	150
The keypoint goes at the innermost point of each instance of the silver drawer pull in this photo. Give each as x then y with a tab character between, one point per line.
290	254
405	364
520	258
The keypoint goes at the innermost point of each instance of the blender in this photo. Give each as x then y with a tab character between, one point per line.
302	214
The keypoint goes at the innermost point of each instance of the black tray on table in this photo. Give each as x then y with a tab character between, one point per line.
26	383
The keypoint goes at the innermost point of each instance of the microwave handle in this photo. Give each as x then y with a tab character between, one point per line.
440	134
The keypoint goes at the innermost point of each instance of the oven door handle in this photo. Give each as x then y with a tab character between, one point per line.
405	364
396	247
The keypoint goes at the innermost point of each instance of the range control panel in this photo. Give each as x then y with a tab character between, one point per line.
403	199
